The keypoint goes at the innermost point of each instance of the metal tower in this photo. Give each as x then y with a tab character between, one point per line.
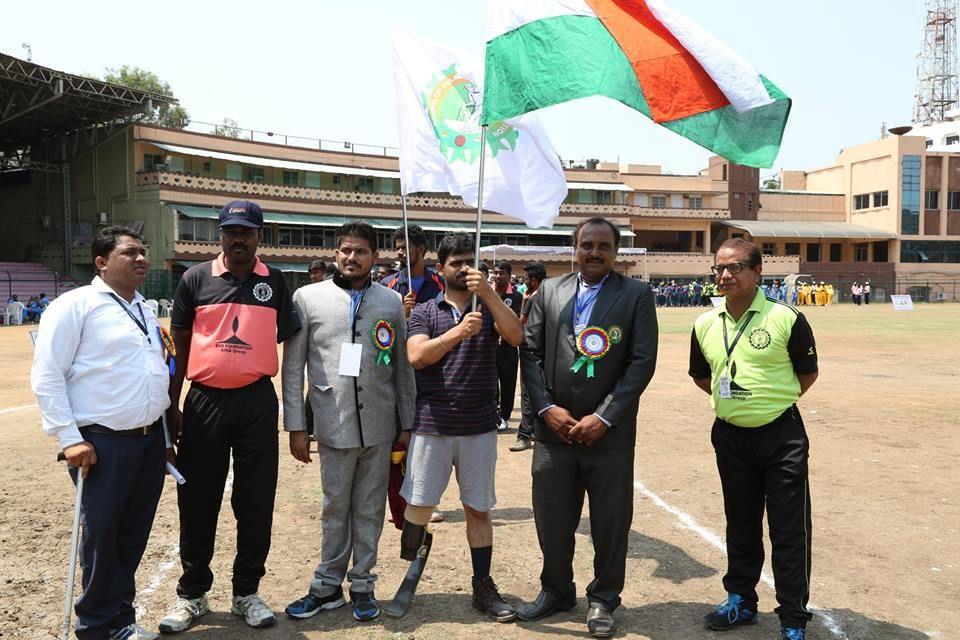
937	90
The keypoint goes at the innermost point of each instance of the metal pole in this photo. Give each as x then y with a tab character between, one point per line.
406	240
476	252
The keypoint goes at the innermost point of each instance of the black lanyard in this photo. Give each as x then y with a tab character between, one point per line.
731	347
140	325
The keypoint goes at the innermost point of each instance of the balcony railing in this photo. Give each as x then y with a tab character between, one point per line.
392	200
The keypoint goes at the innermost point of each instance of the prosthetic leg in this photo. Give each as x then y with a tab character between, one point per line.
415	542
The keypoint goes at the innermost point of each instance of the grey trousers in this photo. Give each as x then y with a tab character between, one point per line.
354	499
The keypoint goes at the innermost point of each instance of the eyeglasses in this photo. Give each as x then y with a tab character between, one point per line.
734	268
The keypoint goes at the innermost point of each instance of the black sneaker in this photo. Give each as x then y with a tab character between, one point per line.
486	599
733	612
310	605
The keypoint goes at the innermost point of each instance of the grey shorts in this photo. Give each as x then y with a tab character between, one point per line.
431	459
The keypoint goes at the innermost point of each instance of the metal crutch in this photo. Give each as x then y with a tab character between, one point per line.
74	544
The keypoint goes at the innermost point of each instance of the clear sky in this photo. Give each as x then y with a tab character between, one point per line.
322	69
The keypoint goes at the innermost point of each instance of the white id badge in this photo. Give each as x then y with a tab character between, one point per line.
725	392
350	353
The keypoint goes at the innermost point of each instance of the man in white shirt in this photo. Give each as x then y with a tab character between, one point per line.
101	379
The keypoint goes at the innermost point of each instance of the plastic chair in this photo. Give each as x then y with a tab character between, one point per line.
13	313
154	306
164	306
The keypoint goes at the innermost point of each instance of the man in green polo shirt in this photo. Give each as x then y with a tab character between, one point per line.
756	356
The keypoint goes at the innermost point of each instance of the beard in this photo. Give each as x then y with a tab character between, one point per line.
457	284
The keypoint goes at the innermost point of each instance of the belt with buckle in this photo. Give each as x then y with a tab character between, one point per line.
139	431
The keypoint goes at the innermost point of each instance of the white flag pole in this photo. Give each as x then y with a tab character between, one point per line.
476	247
406	240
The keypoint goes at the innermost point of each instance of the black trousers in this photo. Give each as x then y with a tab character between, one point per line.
561	475
527	416
508	359
762	468
216	423
120	496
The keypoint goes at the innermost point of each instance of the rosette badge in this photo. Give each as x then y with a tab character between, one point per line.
593	343
383	337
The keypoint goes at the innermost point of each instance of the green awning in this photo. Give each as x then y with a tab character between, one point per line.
317	220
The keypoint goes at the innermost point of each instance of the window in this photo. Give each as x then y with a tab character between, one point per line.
953	140
861	201
696	202
337	180
150	160
268	234
184	228
658	201
175	164
207	168
256	174
943	251
290	237
836	252
931	199
205	230
365	185
910	188
489	240
584	196
953	200
813	252
791	249
318	237
291	178
517	241
724	178
604	197
385	240
234	171
880	198
860	252
769	249
880	252
313	180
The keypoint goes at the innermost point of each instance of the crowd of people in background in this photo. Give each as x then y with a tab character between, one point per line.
34	307
684	294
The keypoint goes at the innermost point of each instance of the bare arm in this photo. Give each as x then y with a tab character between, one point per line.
806	381
704	384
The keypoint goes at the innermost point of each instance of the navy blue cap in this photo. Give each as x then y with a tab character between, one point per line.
243	213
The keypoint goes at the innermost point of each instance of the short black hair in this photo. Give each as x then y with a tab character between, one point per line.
454	244
483	266
583	223
317	265
536	269
107	239
417	237
503	265
357	229
756	256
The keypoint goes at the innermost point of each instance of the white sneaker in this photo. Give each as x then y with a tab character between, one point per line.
132	632
183	613
254	610
503	425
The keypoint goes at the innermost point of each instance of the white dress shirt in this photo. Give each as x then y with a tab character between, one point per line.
93	364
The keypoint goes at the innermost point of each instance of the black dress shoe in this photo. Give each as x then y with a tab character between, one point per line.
545	605
600	622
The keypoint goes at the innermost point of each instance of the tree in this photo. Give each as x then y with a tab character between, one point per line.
773	182
172	116
228	128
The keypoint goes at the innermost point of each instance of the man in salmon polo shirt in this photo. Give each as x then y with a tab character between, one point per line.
228	316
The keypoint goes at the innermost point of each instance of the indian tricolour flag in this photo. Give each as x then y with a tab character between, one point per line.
641	53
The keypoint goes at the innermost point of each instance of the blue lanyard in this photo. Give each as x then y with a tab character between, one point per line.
356	297
580	305
140	325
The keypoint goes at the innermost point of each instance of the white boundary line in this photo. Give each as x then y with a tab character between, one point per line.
689	522
20	408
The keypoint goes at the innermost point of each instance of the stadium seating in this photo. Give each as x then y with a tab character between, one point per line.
28	279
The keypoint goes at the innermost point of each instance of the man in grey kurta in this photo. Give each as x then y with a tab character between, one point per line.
356	401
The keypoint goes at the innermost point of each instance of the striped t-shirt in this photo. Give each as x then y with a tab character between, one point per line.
456	396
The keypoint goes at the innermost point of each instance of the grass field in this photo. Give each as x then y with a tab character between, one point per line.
884	424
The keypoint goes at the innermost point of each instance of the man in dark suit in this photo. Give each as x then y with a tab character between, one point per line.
590	350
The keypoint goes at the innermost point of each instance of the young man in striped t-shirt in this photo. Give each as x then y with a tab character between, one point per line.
454	352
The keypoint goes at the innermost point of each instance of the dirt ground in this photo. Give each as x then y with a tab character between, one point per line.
883	420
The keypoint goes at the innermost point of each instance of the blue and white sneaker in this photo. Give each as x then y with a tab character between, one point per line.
792	633
310	605
731	613
132	632
365	607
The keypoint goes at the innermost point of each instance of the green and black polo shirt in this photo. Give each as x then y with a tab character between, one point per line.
775	346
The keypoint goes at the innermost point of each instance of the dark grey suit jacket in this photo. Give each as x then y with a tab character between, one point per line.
549	351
